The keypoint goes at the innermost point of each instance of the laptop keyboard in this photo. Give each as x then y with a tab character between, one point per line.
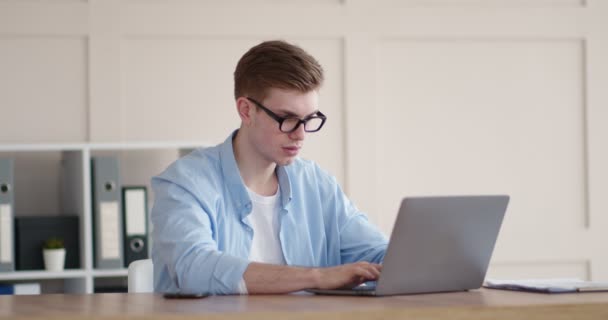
366	286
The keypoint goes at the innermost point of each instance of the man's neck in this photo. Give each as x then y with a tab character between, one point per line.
257	173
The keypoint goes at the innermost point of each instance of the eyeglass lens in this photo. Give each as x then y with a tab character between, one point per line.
311	125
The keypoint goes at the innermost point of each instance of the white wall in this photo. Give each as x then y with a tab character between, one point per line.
423	97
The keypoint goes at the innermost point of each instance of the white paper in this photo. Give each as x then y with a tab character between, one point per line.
6	239
110	230
135	205
547	285
27	288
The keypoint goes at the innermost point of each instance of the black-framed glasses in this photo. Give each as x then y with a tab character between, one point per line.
312	123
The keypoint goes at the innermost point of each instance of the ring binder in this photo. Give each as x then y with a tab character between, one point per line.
135	223
107	220
7	255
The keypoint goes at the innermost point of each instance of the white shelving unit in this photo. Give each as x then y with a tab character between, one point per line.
138	163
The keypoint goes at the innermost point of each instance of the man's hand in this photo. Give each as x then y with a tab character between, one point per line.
261	278
348	275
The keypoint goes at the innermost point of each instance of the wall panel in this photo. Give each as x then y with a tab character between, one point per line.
540	270
44	88
476	116
488	3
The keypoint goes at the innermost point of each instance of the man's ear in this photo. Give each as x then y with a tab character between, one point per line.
244	108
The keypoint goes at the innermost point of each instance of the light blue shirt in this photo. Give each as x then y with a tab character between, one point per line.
201	236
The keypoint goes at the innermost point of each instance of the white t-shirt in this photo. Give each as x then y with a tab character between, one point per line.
264	220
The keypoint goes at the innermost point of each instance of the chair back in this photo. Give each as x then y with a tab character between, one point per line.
141	276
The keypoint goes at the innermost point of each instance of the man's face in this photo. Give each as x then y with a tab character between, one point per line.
268	140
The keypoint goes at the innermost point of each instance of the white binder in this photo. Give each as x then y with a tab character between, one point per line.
135	223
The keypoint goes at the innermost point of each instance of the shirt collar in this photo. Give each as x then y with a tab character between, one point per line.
236	186
285	185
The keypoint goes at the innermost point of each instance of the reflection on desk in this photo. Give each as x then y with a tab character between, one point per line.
476	304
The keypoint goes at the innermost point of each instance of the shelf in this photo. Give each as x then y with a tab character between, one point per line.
62	174
146	145
42	147
41	274
102	146
110	273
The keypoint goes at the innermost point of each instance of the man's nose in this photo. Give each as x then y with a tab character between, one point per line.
299	133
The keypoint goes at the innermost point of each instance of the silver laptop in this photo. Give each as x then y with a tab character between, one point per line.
438	244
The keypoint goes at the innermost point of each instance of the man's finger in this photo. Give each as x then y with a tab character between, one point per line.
376	272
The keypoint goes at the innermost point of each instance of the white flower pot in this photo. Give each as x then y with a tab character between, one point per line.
54	259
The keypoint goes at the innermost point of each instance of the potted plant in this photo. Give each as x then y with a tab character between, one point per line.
54	254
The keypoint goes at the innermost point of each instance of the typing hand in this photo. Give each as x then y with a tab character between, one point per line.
348	275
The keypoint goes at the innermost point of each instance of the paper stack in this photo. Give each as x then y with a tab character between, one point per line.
557	285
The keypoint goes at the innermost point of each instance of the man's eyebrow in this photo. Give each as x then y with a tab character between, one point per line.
291	114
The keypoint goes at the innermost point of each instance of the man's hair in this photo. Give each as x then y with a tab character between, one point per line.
276	64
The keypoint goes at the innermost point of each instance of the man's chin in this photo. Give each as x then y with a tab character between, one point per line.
286	161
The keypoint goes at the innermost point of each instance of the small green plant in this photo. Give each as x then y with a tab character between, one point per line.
53	243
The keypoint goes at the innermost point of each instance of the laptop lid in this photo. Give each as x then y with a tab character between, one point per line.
441	244
438	244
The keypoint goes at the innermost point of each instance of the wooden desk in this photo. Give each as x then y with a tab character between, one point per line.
476	304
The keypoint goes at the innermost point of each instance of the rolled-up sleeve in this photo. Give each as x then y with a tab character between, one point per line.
360	240
184	246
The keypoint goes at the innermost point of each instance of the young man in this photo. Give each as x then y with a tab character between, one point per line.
248	215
